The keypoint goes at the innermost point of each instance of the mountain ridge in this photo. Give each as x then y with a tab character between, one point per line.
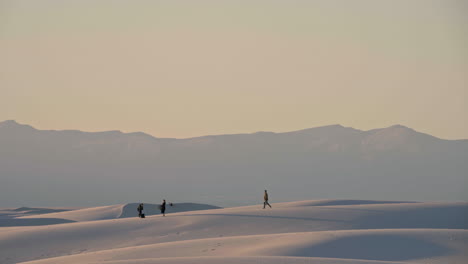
392	163
13	124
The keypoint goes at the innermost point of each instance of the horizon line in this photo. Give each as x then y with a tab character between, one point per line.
228	134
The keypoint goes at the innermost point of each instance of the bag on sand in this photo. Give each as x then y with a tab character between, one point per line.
142	216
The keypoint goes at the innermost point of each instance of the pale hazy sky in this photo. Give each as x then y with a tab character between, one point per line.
188	68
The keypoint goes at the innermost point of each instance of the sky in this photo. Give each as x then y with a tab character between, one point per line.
189	68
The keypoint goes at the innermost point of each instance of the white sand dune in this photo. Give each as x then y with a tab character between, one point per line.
8	213
332	202
13	216
382	245
244	260
119	211
297	232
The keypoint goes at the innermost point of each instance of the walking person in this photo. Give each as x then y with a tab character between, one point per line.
162	207
265	200
140	210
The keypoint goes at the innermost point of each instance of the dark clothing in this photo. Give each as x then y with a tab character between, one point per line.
163	207
265	199
140	209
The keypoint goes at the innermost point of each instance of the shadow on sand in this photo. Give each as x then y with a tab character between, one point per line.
33	222
454	217
374	247
270	216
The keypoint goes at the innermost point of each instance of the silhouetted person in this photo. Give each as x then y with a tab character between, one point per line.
163	208
265	200
140	210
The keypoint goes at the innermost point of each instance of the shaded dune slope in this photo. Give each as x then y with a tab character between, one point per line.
293	230
119	211
378	245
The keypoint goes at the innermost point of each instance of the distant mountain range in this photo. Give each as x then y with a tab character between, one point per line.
71	167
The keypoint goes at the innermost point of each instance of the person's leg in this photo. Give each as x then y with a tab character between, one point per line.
264	204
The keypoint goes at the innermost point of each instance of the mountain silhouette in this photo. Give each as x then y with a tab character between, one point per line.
71	167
